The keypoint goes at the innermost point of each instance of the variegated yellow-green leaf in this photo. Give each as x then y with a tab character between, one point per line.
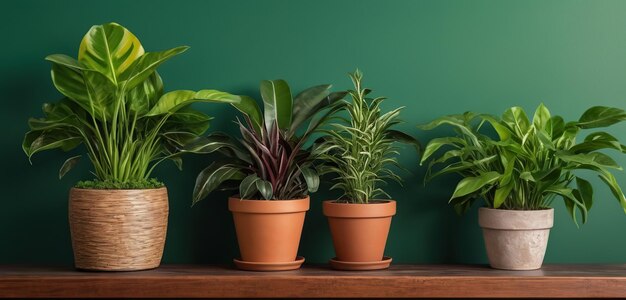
109	49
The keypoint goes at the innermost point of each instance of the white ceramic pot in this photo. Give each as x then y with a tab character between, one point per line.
516	239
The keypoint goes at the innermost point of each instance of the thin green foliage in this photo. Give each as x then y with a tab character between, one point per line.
360	149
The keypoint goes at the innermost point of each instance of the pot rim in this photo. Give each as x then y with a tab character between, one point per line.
333	209
238	205
509	219
117	190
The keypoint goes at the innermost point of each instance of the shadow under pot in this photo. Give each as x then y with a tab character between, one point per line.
359	232
118	230
268	233
516	239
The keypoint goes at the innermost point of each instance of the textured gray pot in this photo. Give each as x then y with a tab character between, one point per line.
516	239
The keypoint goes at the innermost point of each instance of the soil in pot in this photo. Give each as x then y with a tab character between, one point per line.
268	232
359	233
516	239
118	230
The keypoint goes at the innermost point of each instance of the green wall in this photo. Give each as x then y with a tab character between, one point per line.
434	57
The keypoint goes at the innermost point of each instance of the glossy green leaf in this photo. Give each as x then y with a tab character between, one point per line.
307	103
516	118
265	188
541	117
212	177
595	158
67	61
312	179
145	66
436	143
502	193
402	137
586	192
601	116
109	49
247	187
68	165
278	104
469	185
92	91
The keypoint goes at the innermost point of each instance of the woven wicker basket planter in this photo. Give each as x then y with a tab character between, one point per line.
118	230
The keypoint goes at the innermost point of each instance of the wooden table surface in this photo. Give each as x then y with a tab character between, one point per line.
400	281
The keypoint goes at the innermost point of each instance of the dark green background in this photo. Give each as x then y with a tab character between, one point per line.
434	57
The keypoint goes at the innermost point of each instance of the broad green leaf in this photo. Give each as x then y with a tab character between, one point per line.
188	119
212	177
611	182
307	103
216	141
109	49
277	103
92	91
568	195
469	185
247	187
173	101
68	165
597	141
595	158
601	116
555	127
436	143
541	117
586	192
402	137
67	61
502	193
145	66
265	188
37	141
503	132
143	96
516	118
312	179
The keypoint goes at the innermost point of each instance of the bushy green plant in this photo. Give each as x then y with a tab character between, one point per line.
271	160
360	149
114	105
530	162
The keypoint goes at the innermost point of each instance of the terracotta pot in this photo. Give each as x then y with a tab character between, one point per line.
118	230
359	231
268	231
516	239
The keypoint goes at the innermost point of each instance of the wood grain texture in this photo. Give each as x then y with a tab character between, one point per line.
403	281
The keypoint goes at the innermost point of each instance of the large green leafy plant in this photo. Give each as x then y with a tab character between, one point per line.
271	160
530	162
360	150
114	105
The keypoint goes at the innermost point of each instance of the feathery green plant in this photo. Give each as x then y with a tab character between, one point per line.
361	149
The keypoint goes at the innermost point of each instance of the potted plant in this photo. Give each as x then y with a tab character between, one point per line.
273	167
114	105
520	173
360	151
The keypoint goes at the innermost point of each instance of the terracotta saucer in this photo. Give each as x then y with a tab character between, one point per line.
269	266
360	266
